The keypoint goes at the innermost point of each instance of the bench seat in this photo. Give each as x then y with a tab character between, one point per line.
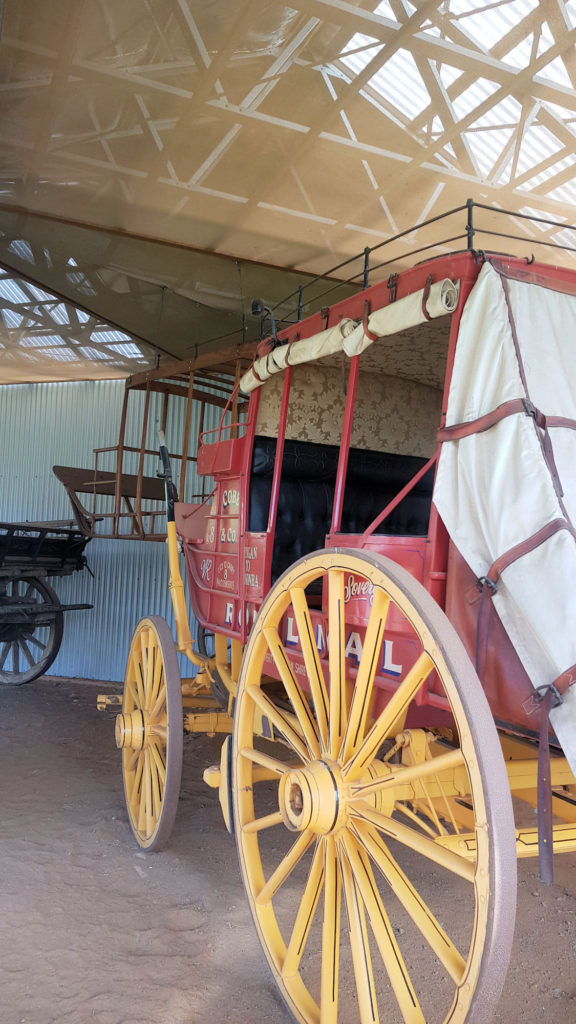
307	495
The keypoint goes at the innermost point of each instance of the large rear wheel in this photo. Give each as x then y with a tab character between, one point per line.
149	732
379	860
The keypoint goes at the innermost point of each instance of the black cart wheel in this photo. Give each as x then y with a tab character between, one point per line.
31	627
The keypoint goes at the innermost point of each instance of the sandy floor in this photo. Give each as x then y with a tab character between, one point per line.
91	929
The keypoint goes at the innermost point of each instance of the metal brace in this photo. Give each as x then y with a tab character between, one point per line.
483	581
535	699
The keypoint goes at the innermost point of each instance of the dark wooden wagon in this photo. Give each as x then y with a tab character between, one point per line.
31	614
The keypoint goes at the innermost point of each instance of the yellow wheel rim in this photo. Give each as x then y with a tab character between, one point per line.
379	861
149	732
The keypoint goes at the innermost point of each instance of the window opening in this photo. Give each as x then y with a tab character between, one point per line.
395	418
311	444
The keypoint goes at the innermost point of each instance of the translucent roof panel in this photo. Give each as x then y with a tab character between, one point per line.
81	340
164	163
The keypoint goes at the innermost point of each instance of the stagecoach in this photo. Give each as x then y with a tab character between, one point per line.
382	571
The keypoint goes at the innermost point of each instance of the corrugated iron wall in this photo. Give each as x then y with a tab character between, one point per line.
42	425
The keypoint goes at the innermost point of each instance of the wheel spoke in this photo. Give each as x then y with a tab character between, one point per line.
159	704
4	654
278	767
360	946
132	798
412	902
152	658
285	868
160	731
305	915
395	709
259	824
156	794
157	681
337	660
15	656
159	762
403	808
130	694
148	789
312	662
409	837
428	803
142	797
37	643
278	719
330	935
410	773
140	686
131	759
144	641
27	653
383	933
363	687
299	702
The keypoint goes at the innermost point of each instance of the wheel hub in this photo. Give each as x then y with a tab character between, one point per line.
130	730
313	798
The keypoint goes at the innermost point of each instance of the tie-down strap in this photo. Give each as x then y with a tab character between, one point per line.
524	548
514	405
488	586
510	408
544	698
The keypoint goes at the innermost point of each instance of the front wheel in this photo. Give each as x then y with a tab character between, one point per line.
379	860
149	731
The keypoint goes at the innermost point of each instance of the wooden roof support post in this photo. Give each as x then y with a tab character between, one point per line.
237	376
138	504
186	439
119	461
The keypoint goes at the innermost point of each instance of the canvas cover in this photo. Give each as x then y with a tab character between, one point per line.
349	337
495	489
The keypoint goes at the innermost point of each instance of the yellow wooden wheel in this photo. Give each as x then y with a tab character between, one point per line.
149	732
379	860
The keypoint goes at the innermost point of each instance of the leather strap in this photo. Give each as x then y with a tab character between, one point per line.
564	681
525	546
488	590
560	421
543	437
256	374
488	584
545	829
510	408
477	426
426	295
369	334
548	698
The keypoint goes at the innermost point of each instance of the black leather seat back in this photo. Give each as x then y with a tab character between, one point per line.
307	495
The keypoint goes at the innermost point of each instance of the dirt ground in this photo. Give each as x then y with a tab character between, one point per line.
92	929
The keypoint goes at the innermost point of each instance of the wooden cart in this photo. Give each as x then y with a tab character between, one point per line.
31	614
378	718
